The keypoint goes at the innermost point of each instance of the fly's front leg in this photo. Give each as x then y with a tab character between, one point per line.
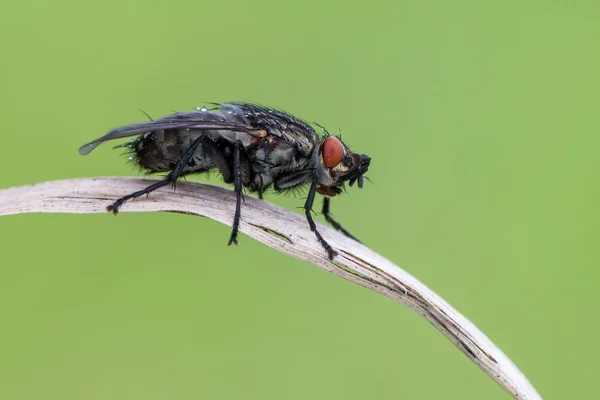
171	178
308	210
333	222
237	188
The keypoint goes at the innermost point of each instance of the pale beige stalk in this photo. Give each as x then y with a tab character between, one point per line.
287	232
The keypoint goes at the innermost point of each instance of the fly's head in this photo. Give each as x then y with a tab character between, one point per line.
336	164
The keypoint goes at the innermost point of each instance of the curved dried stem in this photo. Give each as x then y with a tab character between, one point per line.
289	233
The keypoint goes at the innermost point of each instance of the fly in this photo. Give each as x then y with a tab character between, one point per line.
252	147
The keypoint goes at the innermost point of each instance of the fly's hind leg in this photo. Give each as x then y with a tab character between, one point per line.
171	178
114	207
333	222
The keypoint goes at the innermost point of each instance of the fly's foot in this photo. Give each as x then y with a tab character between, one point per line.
233	239
114	207
331	253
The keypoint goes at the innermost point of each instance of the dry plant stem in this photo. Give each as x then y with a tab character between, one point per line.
284	231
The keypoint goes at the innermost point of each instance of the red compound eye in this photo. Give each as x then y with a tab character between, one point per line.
333	151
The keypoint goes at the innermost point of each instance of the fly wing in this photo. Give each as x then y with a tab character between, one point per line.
202	120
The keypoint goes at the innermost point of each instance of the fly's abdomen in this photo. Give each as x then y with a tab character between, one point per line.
160	151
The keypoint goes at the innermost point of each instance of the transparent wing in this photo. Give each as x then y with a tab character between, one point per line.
193	120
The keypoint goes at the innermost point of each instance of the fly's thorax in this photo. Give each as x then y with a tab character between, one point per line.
277	153
274	158
304	142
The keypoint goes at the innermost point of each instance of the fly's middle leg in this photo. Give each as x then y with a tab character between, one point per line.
229	175
237	183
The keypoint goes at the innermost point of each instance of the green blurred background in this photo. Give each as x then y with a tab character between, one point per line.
482	122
